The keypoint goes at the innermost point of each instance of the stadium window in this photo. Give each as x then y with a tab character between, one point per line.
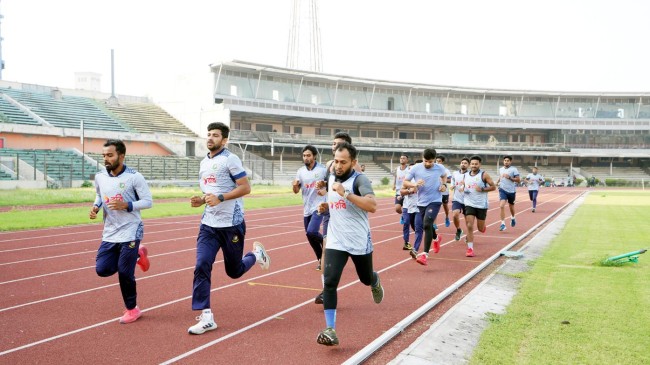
406	135
370	134
314	99
391	103
259	127
286	129
423	136
323	131
236	125
427	107
297	130
245	126
233	90
276	95
385	134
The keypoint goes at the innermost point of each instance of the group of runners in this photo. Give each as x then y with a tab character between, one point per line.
337	198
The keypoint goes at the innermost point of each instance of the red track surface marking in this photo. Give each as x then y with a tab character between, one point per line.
55	309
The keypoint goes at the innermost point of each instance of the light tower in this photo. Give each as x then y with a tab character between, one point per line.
304	51
2	62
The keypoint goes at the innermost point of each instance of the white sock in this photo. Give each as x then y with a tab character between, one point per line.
503	222
470	245
207	311
513	217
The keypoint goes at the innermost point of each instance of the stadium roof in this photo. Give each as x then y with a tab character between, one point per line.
286	72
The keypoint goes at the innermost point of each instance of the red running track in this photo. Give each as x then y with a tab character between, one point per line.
55	309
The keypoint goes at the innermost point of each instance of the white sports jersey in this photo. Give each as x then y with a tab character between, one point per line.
534	180
506	185
349	228
217	175
308	178
399	178
457	178
474	197
129	186
411	203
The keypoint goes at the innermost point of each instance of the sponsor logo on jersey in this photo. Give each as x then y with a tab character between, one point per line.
122	185
338	205
210	180
117	197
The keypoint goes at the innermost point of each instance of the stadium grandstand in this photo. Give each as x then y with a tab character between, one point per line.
53	137
274	112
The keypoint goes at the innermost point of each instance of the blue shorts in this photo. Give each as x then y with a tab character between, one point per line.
399	200
510	197
458	206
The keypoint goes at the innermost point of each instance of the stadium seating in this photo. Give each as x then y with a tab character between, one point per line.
160	167
147	118
9	113
65	111
57	164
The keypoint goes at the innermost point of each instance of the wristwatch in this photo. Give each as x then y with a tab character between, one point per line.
220	197
345	195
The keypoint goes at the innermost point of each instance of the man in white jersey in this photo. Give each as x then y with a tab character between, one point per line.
339	137
350	198
305	180
409	211
440	159
507	182
400	173
533	181
121	192
475	186
430	179
223	181
458	203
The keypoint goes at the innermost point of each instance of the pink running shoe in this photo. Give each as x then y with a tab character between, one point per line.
436	244
470	252
131	315
143	260
422	259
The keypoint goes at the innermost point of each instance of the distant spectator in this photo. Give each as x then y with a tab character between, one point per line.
363	168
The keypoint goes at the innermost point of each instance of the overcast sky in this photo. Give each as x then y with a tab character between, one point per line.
552	45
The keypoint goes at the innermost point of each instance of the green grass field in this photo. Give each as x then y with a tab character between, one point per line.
262	196
572	310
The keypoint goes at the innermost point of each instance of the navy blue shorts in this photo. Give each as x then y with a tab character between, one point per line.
458	206
510	197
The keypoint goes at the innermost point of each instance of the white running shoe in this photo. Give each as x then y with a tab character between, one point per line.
262	257
206	323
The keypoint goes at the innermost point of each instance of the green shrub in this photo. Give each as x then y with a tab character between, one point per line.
385	180
86	184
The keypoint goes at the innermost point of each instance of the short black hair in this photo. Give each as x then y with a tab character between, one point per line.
120	148
465	159
442	158
311	148
225	131
429	154
509	157
476	157
349	147
344	136
405	155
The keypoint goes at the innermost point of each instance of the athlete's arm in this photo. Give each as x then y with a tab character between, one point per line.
487	179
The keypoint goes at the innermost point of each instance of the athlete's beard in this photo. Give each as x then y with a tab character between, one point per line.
111	167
